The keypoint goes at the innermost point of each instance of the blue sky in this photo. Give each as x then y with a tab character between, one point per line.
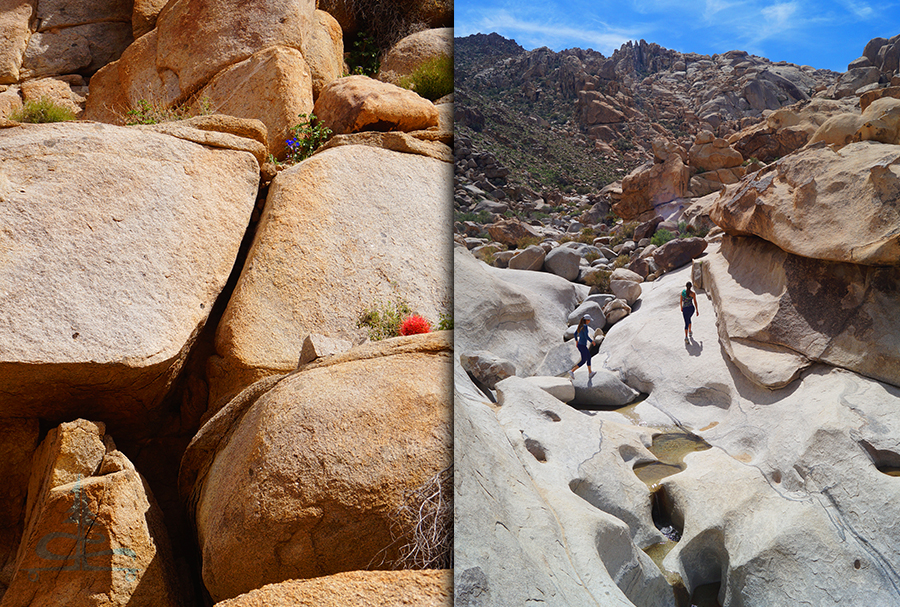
827	34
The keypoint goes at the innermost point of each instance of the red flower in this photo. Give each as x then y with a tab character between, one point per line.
414	324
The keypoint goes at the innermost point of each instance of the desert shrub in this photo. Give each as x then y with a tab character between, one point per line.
623	232
428	511
661	237
308	137
414	325
431	80
623	145
151	112
621	261
42	111
383	320
527	241
599	281
592	256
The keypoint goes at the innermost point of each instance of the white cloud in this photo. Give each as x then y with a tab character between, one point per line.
862	10
540	32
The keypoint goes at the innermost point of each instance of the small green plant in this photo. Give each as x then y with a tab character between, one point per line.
661	237
479	217
383	320
446	322
621	261
684	228
431	80
309	136
42	111
363	59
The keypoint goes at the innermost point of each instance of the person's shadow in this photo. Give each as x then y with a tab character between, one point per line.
694	348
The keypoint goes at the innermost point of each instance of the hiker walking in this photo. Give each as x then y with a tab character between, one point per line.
688	305
581	340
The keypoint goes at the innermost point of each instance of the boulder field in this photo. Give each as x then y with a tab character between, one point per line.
190	411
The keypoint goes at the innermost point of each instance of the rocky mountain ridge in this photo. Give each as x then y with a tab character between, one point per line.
609	110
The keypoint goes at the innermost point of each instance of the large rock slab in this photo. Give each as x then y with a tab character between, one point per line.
360	103
798	203
310	479
516	314
117	244
433	588
92	528
533	495
719	511
838	313
327	249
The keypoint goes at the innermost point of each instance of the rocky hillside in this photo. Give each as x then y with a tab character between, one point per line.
710	461
571	123
191	409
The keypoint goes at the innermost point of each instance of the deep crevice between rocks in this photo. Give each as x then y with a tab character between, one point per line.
157	454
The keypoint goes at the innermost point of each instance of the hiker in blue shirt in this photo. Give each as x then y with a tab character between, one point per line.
581	340
688	305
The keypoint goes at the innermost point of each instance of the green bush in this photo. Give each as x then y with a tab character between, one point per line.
479	217
661	237
622	261
431	80
383	320
308	137
363	59
43	111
